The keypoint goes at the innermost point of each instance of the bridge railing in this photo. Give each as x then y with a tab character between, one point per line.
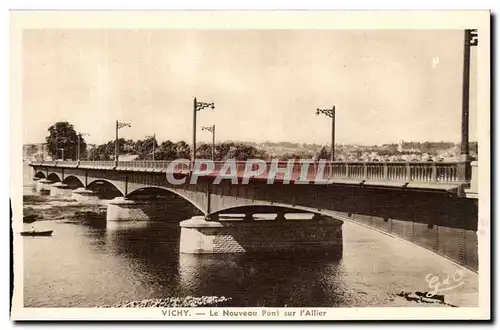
441	172
155	165
97	163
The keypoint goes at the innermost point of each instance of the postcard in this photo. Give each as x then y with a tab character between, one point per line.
250	165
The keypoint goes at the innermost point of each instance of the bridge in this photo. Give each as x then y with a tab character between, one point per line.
431	204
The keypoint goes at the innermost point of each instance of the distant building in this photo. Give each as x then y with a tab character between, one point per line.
401	146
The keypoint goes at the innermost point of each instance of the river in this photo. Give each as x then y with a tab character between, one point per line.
89	263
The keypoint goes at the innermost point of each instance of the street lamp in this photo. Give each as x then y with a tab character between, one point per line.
154	140
197	106
470	39
330	113
211	129
78	146
118	126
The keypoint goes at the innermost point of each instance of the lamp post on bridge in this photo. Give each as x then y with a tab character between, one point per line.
211	129
62	152
197	106
330	113
470	39
79	135
117	147
154	141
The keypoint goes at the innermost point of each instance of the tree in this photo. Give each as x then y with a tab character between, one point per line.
324	154
204	151
62	135
167	150
144	148
241	151
183	150
103	152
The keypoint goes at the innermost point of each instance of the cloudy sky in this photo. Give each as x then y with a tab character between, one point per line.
266	84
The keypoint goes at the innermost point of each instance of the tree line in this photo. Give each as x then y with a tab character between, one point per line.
63	139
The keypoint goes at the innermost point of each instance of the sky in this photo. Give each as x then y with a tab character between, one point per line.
386	85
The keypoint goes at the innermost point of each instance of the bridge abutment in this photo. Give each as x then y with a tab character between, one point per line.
199	236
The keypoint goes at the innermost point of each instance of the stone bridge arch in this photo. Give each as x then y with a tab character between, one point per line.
40	174
196	199
93	185
74	180
54	177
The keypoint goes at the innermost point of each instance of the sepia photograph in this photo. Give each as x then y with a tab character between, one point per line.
251	166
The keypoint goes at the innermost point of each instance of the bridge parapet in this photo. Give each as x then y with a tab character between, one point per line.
403	172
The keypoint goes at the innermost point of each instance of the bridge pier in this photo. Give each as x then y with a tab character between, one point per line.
123	209
43	185
201	236
84	195
60	189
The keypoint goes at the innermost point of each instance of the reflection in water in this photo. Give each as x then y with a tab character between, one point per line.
262	280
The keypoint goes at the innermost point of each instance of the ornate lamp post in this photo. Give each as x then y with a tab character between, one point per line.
197	106
154	141
330	113
118	126
211	129
470	39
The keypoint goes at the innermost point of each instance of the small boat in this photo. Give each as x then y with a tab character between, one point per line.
37	233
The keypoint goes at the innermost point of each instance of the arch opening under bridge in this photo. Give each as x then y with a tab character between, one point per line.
54	177
40	174
73	181
165	192
105	189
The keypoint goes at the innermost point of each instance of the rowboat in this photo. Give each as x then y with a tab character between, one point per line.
37	233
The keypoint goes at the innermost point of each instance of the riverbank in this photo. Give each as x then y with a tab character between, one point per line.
175	302
40	208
